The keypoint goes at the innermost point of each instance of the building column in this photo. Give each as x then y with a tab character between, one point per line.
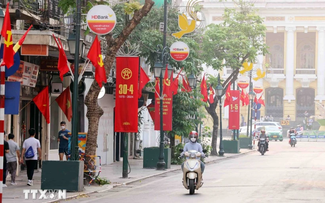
290	45
321	64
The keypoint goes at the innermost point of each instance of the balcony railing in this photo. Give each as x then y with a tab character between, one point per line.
275	71
307	71
41	8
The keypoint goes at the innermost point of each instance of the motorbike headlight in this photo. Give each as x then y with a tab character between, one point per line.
192	155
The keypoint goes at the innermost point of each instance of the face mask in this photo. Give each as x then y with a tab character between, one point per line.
193	139
62	127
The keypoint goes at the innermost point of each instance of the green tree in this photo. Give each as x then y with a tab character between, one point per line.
186	115
238	39
114	41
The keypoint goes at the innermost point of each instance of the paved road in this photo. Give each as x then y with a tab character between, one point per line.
283	174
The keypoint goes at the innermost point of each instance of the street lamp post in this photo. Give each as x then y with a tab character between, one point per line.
158	71
74	144
192	82
219	94
251	97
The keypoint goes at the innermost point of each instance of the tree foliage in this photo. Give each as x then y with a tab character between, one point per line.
239	38
149	37
185	113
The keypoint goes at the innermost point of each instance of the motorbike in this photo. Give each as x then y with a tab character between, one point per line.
192	174
293	140
262	148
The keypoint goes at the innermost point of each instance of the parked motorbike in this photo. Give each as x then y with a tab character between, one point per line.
293	140
262	148
192	174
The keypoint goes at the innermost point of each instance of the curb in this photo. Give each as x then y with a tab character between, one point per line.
147	177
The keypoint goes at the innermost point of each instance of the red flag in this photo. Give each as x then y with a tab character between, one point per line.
64	102
242	97
63	60
167	83
96	58
144	79
157	89
204	90
175	83
42	103
211	95
186	86
228	96
21	41
261	101
8	52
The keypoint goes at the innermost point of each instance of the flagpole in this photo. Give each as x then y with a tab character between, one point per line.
74	144
71	73
2	121
83	69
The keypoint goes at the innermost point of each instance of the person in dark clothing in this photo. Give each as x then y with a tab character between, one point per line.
263	135
6	150
64	141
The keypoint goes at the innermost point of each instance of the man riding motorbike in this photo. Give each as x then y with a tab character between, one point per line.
194	145
263	135
292	130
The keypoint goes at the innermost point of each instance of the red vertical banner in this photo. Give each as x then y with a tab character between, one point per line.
234	110
167	112
126	102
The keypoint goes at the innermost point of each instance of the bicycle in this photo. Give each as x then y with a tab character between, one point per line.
90	166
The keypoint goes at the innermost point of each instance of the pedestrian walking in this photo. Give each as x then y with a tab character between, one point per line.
242	120
6	150
11	156
64	141
32	152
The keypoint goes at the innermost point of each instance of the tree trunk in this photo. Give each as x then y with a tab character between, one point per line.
215	135
94	111
212	111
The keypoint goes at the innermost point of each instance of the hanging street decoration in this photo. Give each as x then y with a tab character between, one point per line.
234	110
188	25
259	74
101	19
243	82
179	51
258	88
246	68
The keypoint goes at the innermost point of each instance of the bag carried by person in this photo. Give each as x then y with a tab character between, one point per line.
29	153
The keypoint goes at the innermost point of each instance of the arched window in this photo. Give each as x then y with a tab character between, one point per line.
307	57
305	101
274	102
276	57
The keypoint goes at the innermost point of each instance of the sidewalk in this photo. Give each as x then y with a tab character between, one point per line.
112	172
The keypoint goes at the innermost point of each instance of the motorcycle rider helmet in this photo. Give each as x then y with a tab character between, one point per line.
262	130
193	136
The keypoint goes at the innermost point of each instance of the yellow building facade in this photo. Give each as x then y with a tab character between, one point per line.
295	66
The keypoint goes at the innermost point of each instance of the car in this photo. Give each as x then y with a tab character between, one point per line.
269	124
273	133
